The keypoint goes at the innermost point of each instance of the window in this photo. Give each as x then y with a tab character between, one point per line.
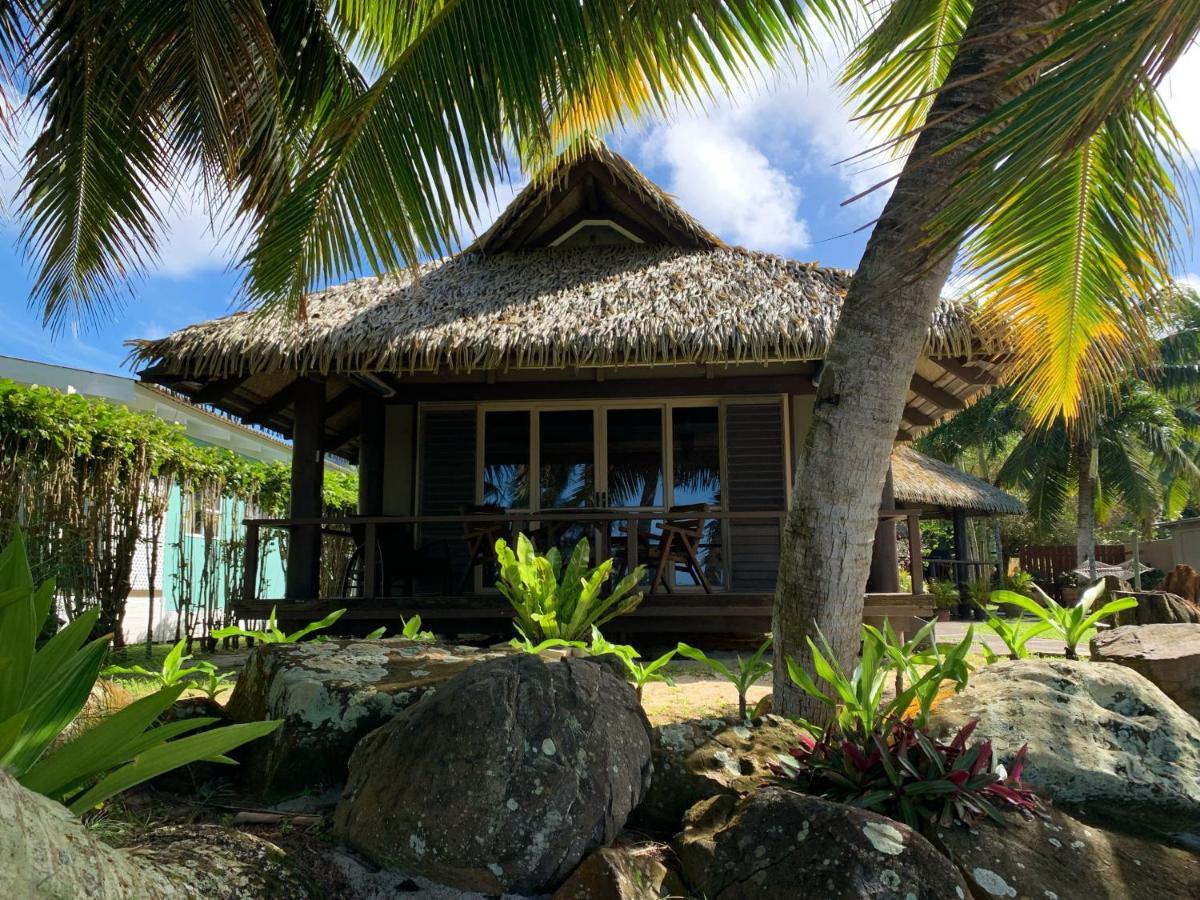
506	459
634	439
567	454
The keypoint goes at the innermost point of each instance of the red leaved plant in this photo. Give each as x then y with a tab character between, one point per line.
901	772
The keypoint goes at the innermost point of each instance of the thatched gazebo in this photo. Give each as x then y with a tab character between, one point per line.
595	363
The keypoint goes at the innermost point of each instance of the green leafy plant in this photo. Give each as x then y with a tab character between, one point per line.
525	645
979	591
411	629
1016	634
272	634
43	690
556	601
214	682
171	673
901	772
945	593
376	634
1019	581
640	674
1071	623
855	700
748	671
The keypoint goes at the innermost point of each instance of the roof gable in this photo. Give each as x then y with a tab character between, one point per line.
591	195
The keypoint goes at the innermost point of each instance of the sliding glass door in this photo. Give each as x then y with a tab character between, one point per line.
647	459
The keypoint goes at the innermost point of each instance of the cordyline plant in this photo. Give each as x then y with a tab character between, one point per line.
747	673
900	771
556	602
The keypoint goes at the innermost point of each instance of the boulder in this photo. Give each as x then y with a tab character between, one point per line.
1156	608
1183	581
622	873
1168	655
698	759
1098	734
45	852
1052	855
329	694
776	843
504	779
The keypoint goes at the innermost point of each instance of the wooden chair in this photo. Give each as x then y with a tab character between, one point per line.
677	547
481	537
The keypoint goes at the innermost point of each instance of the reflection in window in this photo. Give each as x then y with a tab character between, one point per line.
567	453
506	459
696	465
635	457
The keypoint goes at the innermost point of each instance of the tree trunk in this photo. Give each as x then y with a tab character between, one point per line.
1085	510
826	548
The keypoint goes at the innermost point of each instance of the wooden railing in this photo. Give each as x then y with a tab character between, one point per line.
365	532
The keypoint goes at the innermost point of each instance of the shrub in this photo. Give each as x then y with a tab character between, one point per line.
1071	623
43	690
272	634
640	674
898	770
1015	634
747	672
553	601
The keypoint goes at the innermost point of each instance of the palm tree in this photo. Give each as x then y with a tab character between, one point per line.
1141	449
1041	155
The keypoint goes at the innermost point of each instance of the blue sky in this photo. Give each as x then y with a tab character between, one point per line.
760	169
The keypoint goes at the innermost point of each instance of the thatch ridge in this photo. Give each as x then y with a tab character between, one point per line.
550	308
922	480
619	168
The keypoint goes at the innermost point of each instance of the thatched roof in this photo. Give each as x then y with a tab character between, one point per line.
920	480
555	307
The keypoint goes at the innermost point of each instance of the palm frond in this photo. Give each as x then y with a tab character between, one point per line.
897	68
390	178
1042	465
1069	258
87	199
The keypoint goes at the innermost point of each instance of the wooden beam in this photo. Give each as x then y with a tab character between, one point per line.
926	389
966	373
346	398
798	383
334	442
915	417
904	436
272	406
215	390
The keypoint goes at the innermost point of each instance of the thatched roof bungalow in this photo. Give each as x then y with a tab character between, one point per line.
596	363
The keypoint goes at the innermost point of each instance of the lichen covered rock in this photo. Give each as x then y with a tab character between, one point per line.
1168	655
329	694
45	852
699	759
504	779
776	844
1052	856
1098	734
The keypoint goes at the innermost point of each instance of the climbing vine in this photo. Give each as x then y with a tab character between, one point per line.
89	482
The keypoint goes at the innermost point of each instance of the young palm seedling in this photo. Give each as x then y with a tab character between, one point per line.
173	670
748	671
272	634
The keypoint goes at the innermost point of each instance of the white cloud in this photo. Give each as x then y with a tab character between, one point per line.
1179	91
730	185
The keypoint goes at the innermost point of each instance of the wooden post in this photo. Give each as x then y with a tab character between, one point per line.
915	567
371	456
885	565
960	553
308	473
250	564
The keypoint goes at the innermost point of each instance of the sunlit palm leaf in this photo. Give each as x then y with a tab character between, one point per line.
1067	261
392	177
902	61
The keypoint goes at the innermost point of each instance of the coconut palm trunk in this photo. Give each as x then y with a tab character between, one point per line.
1085	510
885	319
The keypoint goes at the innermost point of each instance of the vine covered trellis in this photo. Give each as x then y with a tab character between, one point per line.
90	482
